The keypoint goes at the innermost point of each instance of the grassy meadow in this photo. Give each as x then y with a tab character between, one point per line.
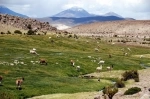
59	76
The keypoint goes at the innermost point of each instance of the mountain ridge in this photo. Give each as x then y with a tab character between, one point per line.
112	14
77	12
5	10
71	22
76	16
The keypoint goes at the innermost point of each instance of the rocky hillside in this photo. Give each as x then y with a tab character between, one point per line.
114	28
131	32
25	23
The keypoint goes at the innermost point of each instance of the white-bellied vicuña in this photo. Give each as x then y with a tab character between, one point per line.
96	49
89	56
129	49
125	54
141	56
16	62
98	69
1	78
72	63
43	61
101	62
19	83
33	51
110	56
109	68
78	68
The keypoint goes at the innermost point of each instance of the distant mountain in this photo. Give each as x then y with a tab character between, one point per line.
70	22
74	12
129	18
5	10
78	16
77	12
112	14
84	20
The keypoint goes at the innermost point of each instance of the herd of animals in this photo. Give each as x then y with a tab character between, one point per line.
20	80
42	62
72	63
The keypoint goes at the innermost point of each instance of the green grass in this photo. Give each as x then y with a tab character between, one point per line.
58	76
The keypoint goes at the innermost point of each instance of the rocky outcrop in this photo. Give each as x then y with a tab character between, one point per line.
26	23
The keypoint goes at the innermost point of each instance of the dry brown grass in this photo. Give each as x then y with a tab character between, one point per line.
128	27
142	56
133	32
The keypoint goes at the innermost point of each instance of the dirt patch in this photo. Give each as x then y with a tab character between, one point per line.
82	95
142	56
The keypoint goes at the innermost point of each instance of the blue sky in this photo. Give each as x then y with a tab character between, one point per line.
138	9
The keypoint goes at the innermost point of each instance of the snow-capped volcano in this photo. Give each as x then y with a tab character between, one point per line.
76	9
74	12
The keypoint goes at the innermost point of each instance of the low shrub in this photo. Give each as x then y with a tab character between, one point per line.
123	41
118	40
17	32
119	84
30	32
69	36
2	33
75	36
132	91
132	74
8	32
110	91
136	79
147	39
115	35
29	26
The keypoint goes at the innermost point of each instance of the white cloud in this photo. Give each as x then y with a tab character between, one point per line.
72	4
105	2
138	9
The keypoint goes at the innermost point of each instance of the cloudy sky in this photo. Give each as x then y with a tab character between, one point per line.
138	9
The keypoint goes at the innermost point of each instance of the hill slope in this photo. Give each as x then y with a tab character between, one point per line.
131	32
111	28
24	24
